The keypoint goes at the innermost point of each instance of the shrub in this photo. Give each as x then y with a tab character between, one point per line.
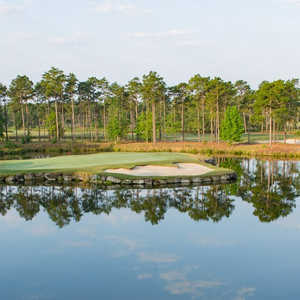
10	145
25	139
232	127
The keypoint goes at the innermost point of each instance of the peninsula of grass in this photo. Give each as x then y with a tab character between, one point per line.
98	163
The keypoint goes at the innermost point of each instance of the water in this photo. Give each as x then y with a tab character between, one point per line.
238	241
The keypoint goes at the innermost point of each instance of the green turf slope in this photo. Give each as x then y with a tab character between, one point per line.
92	162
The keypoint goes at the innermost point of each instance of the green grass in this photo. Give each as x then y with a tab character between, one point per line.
92	163
97	163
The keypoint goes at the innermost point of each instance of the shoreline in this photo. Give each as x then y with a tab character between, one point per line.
119	180
166	168
259	150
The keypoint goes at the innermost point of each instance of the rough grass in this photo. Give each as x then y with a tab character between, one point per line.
16	150
278	150
243	150
93	163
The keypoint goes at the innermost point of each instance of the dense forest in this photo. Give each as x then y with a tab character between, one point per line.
60	106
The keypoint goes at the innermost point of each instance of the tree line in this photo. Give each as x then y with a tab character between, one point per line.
145	109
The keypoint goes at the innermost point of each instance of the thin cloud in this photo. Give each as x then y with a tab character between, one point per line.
177	283
245	292
117	219
157	257
293	2
144	276
190	43
211	242
163	34
114	6
191	287
77	244
130	244
10	9
173	276
43	230
74	39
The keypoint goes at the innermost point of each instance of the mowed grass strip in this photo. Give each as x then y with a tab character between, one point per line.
93	163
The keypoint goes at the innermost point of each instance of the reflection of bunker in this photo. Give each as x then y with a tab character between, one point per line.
180	169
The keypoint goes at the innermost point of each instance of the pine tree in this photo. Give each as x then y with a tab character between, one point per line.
144	127
232	127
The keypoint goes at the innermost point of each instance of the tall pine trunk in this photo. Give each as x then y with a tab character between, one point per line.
270	132
27	119
39	124
73	120
164	122
182	120
23	118
62	120
203	119
132	125
211	127
56	120
198	121
285	133
16	125
153	122
160	118
218	121
245	122
104	121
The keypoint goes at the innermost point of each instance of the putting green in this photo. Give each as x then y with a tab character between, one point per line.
93	162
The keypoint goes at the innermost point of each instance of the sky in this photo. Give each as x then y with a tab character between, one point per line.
253	40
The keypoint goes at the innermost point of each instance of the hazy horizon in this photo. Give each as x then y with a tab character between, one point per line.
254	40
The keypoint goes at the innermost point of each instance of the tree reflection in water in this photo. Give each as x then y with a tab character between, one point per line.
66	204
272	187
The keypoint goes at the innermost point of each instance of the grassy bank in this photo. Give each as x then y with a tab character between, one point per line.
242	150
95	163
17	150
278	150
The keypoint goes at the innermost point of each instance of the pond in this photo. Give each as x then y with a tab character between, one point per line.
237	241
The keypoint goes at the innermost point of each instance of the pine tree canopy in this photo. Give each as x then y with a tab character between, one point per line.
232	127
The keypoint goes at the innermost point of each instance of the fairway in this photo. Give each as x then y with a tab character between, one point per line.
93	162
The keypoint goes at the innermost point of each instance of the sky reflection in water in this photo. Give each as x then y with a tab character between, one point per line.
237	241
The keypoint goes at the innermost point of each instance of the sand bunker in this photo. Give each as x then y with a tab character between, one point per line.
293	141
180	169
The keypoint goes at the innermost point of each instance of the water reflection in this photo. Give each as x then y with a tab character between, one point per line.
207	243
272	188
64	204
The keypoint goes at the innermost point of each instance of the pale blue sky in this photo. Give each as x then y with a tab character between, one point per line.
253	40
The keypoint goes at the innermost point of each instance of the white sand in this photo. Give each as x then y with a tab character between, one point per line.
177	170
293	141
288	141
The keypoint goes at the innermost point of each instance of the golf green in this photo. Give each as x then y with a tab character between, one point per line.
93	162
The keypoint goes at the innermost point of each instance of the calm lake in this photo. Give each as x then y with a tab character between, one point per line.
238	241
